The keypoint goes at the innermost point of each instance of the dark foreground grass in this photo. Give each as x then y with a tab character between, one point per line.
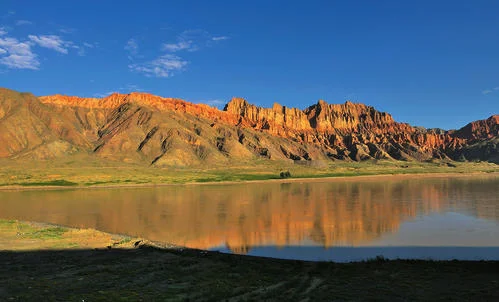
133	269
151	274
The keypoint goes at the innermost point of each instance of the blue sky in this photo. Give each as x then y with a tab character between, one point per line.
428	63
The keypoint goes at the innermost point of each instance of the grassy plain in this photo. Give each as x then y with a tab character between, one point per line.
80	172
103	267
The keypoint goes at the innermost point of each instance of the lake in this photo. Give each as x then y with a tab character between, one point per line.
345	219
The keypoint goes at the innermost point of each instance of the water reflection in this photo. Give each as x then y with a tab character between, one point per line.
240	217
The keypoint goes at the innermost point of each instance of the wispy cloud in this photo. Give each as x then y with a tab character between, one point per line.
192	40
220	38
166	65
88	45
132	47
17	54
163	67
23	22
52	42
67	30
490	90
180	45
82	49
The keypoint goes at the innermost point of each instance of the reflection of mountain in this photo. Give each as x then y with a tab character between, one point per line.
341	212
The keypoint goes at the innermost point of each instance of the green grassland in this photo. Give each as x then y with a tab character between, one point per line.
74	172
30	231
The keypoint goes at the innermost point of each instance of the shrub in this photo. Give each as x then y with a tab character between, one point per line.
461	158
285	174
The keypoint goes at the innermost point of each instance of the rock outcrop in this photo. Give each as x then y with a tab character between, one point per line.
141	127
479	130
349	131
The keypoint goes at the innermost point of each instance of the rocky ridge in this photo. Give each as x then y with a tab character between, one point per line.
142	127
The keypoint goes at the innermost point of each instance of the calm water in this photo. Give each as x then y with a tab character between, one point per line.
340	220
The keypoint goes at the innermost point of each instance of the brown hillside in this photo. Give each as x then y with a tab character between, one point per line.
140	127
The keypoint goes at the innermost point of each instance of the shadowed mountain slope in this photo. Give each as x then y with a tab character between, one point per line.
144	128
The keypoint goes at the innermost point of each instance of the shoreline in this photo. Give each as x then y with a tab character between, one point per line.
144	271
272	180
167	246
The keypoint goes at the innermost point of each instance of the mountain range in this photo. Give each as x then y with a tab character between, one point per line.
153	130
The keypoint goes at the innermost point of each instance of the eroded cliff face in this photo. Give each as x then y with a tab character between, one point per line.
142	127
348	131
341	118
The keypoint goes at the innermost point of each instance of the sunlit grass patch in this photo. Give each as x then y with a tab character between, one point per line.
48	233
125	240
5	222
81	173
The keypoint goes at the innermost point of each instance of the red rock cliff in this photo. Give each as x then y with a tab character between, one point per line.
142	126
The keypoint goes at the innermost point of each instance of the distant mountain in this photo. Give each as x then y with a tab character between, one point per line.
144	128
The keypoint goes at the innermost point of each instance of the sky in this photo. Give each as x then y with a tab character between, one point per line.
428	63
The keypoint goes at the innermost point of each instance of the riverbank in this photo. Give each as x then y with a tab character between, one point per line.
60	177
114	267
271	180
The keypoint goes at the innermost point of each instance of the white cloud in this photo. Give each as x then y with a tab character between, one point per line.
82	50
132	46
52	42
491	90
220	38
20	61
162	67
192	40
67	30
167	64
180	45
23	22
18	55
